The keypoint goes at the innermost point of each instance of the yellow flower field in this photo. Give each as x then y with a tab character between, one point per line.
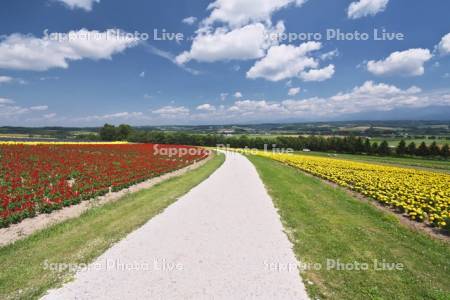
423	196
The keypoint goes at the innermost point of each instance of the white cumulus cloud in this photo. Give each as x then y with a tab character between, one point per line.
9	109
370	90
288	61
4	101
248	42
189	20
236	30
82	4
5	79
368	97
49	116
26	52
223	96
9	79
444	45
172	111
318	74
206	107
125	115
250	107
294	91
329	55
405	63
363	8
39	108
236	13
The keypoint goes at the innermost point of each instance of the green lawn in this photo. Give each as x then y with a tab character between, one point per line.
436	165
325	222
81	240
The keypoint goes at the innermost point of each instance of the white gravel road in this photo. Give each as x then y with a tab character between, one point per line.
222	240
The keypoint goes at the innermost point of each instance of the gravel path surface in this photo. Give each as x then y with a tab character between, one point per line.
222	240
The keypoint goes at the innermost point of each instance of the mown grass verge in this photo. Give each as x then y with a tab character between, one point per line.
325	222
23	274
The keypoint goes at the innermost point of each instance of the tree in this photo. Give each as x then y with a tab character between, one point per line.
367	146
401	148
374	148
123	132
411	149
384	148
434	149
445	152
108	132
422	150
359	147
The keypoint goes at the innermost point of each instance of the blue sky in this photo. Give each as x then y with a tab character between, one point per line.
233	64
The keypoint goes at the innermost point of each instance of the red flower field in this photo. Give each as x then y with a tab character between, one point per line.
41	178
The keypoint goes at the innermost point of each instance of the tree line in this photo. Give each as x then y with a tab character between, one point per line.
348	144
